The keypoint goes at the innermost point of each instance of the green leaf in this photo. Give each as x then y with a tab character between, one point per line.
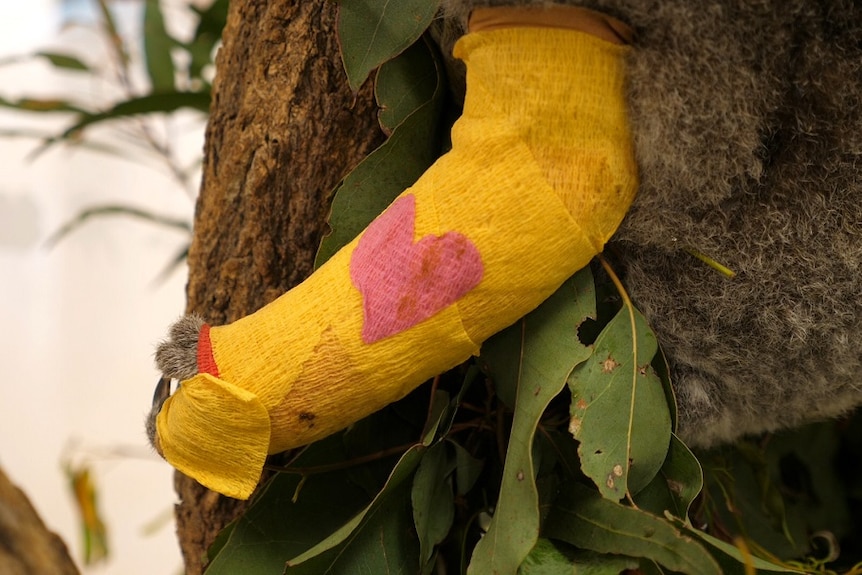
118	210
502	363
149	104
549	350
439	406
372	32
674	488
404	84
585	519
400	474
275	528
64	61
42	105
211	22
547	559
164	103
386	172
389	429
384	542
157	48
448	417
619	412
662	369
778	492
731	559
467	469
432	498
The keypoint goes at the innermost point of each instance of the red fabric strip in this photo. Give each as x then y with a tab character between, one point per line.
206	361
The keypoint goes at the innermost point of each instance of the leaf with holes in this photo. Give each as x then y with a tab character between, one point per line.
548	349
619	411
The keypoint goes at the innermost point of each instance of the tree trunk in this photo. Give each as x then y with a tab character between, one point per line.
284	128
26	545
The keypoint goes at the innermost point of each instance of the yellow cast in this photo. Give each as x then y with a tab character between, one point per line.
540	174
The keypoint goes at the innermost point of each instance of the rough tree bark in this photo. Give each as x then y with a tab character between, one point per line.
26	545
284	128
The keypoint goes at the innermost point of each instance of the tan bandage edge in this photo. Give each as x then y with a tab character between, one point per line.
568	17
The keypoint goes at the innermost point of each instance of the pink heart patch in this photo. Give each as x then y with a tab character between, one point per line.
403	283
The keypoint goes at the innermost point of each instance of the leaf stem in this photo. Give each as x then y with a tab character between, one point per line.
347	463
723	270
434	383
628	303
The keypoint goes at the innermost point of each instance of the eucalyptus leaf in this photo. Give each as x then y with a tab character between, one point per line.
549	349
387	171
383	542
404	84
547	559
157	48
211	22
149	104
565	447
467	469
400	474
42	105
501	362
432	499
439	405
449	414
117	210
381	432
275	528
583	518
662	369
778	492
64	61
676	485
619	411
731	559
372	32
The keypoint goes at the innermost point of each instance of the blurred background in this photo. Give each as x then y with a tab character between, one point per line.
93	229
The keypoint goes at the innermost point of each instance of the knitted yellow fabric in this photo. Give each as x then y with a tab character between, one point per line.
540	175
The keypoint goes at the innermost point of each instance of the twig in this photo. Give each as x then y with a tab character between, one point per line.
346	464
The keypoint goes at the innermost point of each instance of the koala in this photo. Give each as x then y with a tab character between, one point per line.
747	129
740	127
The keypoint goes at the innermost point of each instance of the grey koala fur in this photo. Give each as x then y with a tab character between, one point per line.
177	356
747	124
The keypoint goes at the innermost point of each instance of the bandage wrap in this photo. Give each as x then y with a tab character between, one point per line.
540	175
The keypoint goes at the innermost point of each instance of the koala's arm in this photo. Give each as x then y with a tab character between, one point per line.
493	228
